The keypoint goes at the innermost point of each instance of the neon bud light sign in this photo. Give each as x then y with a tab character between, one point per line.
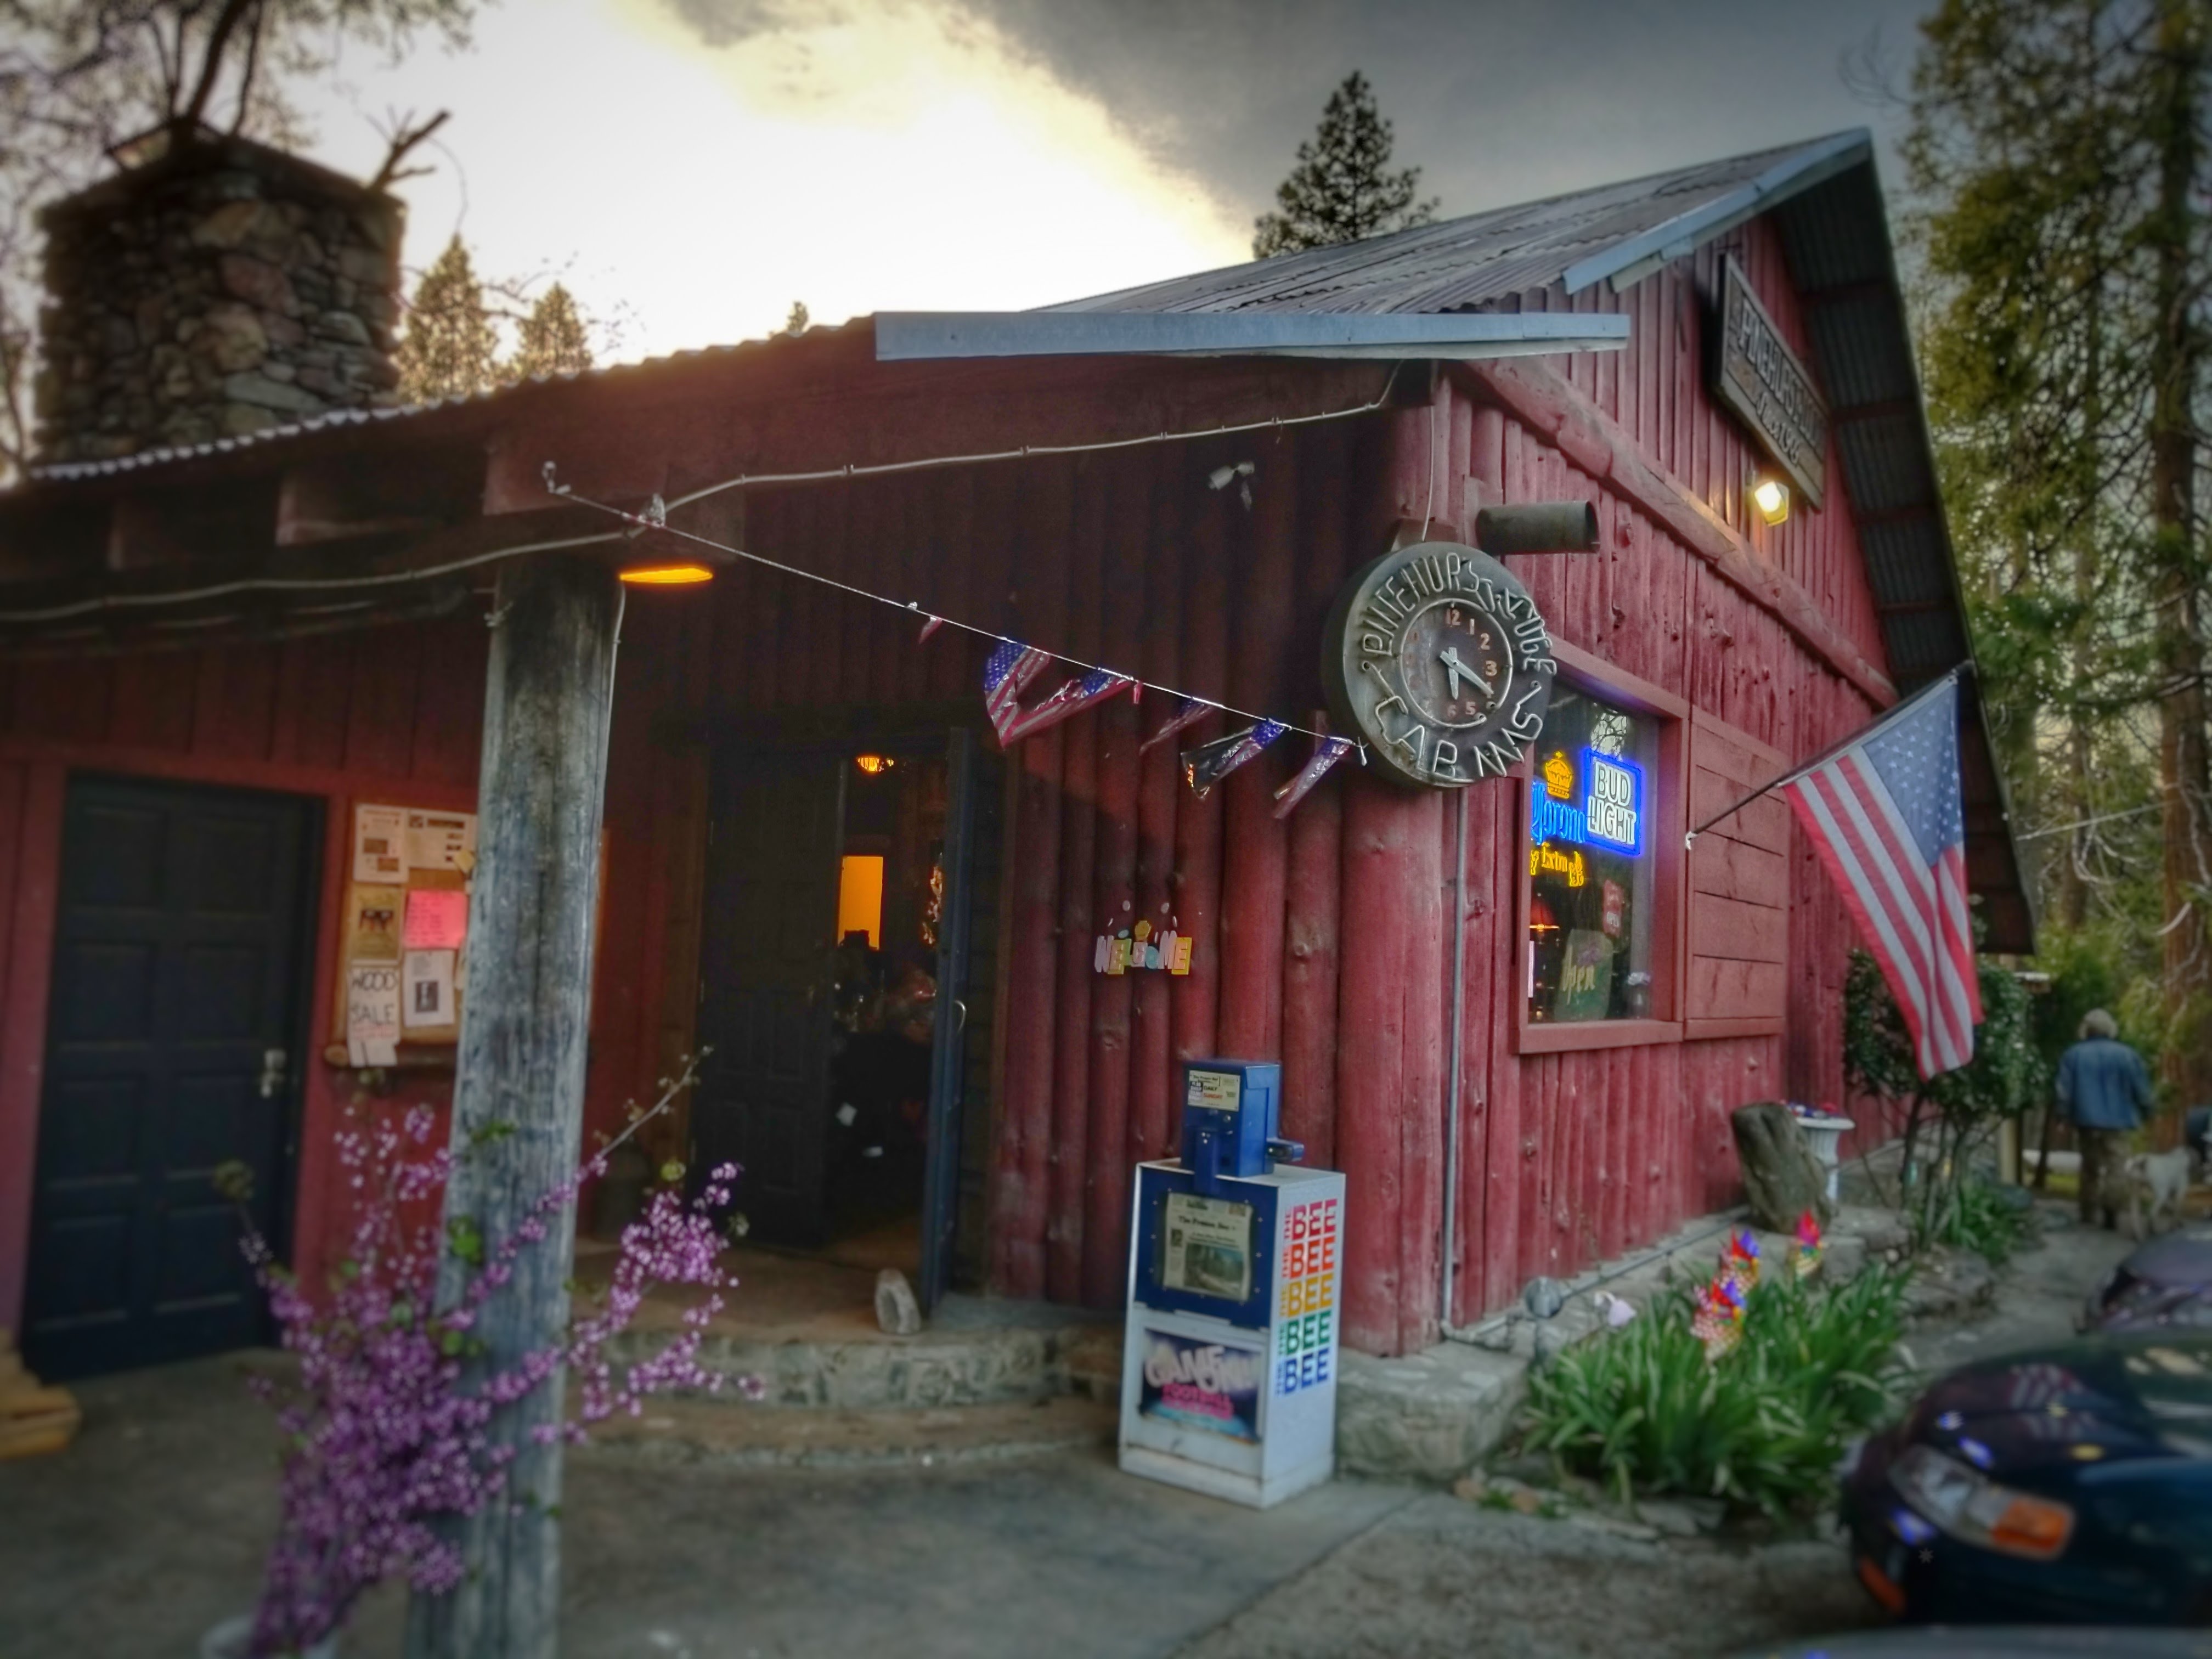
1611	813
1614	810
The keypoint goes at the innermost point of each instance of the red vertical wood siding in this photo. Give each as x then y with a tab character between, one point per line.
388	713
1325	940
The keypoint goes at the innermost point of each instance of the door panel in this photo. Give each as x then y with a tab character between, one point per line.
763	1100
940	1196
179	963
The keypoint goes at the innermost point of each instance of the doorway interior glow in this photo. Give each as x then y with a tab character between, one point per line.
860	898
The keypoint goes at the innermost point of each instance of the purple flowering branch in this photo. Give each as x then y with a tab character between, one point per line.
382	1437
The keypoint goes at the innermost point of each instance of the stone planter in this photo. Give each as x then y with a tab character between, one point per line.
229	1640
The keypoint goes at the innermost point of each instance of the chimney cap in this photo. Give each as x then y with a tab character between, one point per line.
179	148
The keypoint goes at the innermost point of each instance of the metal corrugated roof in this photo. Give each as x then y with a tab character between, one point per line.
1827	209
1466	262
338	419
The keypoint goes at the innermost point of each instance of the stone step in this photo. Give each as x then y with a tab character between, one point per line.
976	1352
707	1430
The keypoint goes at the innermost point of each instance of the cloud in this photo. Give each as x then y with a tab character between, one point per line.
1498	102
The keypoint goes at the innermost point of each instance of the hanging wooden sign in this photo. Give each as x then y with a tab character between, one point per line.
1756	377
1438	658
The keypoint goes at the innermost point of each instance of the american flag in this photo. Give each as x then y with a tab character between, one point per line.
1207	764
1005	676
1188	713
1327	753
1075	695
1887	816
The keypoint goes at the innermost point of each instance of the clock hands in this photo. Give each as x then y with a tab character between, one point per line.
1458	671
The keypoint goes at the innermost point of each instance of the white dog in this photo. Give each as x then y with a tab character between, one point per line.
2156	1183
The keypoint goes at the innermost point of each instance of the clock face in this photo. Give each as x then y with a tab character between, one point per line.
1436	659
1455	664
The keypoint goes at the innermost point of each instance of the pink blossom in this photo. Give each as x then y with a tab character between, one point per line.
385	1437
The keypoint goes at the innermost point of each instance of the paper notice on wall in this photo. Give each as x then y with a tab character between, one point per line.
441	840
380	843
437	919
372	1013
372	924
427	987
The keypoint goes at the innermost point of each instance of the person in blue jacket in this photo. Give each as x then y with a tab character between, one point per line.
2103	1088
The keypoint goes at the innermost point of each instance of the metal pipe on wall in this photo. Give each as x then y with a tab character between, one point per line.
1452	1065
1537	527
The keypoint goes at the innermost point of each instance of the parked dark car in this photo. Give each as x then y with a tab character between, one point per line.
2065	1484
2164	1283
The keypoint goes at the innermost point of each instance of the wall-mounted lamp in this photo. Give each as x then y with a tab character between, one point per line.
664	574
1771	497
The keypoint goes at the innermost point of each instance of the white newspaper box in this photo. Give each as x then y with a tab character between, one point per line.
1229	1367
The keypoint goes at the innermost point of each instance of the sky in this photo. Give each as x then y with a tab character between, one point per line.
690	168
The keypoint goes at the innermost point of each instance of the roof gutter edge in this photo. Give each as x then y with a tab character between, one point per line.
1628	261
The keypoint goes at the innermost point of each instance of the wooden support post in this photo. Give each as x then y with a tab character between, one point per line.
519	1087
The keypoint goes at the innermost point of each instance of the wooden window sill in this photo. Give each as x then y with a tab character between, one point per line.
1698	1030
1580	1034
410	1057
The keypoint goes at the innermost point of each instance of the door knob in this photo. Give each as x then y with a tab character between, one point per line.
272	1073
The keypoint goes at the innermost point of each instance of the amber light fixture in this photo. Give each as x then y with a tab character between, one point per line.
1771	497
666	575
871	764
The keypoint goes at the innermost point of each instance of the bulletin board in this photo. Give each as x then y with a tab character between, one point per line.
402	950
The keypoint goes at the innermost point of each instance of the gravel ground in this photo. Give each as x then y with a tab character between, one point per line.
1441	1576
1445	1577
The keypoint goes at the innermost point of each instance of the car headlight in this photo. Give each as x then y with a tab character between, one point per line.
1971	1507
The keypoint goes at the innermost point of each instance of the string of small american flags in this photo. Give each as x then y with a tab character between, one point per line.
1014	667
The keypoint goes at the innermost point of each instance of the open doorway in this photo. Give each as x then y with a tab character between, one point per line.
837	963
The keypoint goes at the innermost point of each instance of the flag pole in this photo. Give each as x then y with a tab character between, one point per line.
1831	753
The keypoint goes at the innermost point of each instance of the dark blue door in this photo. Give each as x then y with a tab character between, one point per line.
171	1049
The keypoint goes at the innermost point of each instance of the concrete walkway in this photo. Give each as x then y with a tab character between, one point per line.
151	1527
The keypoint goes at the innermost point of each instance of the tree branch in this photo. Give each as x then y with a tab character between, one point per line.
218	45
401	139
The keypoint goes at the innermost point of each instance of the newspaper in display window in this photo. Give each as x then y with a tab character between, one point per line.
1207	1247
1216	1091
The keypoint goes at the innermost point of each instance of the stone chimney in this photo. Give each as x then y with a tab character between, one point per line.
214	288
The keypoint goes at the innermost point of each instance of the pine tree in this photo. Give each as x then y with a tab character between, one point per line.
450	348
552	339
795	323
1342	189
2057	148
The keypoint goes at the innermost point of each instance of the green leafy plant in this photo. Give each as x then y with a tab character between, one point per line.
1763	1426
1963	1108
1968	1215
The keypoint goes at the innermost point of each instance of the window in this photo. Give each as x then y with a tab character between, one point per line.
1592	863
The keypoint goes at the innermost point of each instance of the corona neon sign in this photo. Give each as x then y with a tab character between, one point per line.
1609	814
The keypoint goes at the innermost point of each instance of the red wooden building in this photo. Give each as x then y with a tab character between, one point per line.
1521	1048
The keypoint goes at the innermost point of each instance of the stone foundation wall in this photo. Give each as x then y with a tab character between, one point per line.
220	290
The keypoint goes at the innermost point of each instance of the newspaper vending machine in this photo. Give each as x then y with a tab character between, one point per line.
1229	1368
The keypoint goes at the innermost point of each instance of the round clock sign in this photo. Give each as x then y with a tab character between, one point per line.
1437	658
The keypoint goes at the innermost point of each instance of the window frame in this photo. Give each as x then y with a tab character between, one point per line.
1582	671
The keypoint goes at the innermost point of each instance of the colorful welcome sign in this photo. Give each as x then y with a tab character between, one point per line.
1610	811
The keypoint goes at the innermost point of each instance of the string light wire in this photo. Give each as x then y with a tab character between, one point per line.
876	469
655	521
115	602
